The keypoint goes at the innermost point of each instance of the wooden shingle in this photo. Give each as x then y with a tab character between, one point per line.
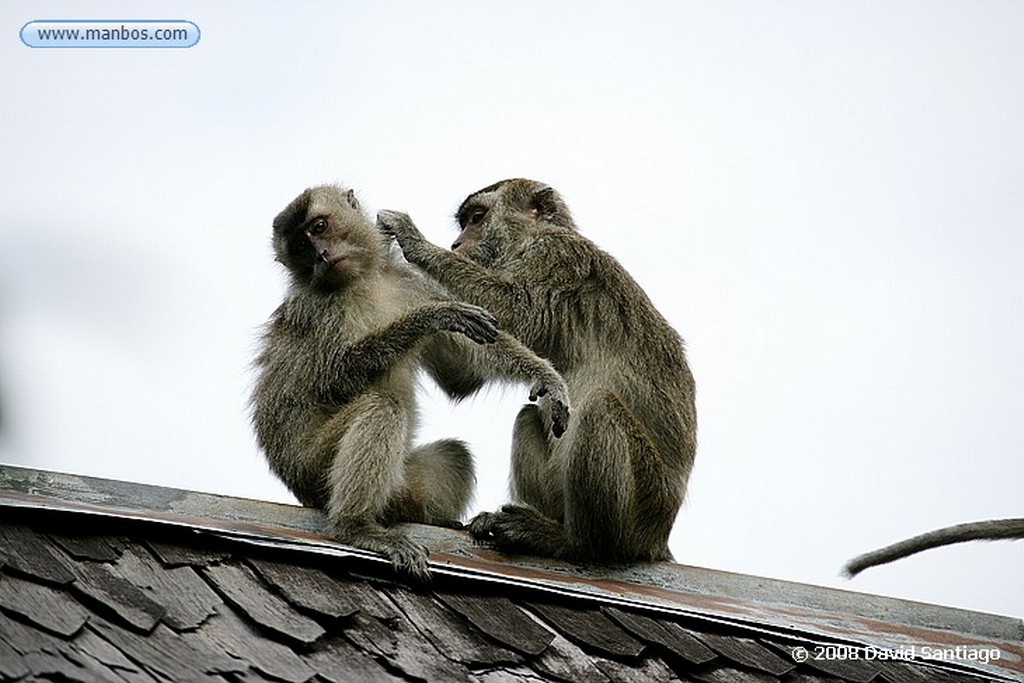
51	609
403	649
665	633
186	598
564	661
242	588
96	584
502	620
87	547
338	661
746	651
165	653
226	632
29	553
177	555
310	588
649	670
451	636
591	628
92	645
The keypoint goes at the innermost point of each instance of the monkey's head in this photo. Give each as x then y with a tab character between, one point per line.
496	220
325	240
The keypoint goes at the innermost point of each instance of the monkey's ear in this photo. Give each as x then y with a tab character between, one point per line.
350	197
549	207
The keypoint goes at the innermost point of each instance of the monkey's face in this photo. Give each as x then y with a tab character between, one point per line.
324	239
497	220
479	238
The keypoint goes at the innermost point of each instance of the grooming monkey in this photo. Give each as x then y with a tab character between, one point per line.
989	530
333	406
610	488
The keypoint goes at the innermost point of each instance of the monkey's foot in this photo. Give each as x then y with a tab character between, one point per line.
520	529
408	558
447	524
480	526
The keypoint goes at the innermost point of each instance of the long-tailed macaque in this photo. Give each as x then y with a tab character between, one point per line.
610	488
333	406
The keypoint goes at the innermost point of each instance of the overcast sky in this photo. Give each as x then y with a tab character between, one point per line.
825	199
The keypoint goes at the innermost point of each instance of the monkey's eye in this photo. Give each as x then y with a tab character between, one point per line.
319	227
477	215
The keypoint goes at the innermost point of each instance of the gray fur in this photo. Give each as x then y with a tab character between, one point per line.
334	405
610	489
988	530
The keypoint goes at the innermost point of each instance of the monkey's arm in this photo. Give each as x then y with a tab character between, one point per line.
465	278
355	367
991	530
460	369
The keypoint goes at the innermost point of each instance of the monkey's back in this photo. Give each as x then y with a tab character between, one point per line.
604	333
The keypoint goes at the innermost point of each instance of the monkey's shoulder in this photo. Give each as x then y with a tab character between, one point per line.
408	282
567	260
557	257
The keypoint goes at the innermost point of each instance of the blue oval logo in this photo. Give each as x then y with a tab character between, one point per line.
62	33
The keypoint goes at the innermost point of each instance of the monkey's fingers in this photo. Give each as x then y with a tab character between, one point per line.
396	224
559	418
449	524
387	221
476	323
481	525
480	333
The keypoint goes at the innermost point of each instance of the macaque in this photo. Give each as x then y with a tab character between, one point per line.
610	488
334	406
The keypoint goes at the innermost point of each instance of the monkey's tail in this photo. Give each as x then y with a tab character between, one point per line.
990	530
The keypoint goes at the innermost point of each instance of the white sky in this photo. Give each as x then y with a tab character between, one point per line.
825	199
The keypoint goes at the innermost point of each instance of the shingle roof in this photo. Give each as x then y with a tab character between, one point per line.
110	581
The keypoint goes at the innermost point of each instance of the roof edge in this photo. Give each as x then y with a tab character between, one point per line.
761	604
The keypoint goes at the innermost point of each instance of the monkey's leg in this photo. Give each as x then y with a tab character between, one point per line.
618	505
530	528
366	474
439	480
531	459
591	480
620	501
598	480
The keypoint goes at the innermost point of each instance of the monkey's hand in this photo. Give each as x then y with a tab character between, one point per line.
558	394
399	226
476	323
